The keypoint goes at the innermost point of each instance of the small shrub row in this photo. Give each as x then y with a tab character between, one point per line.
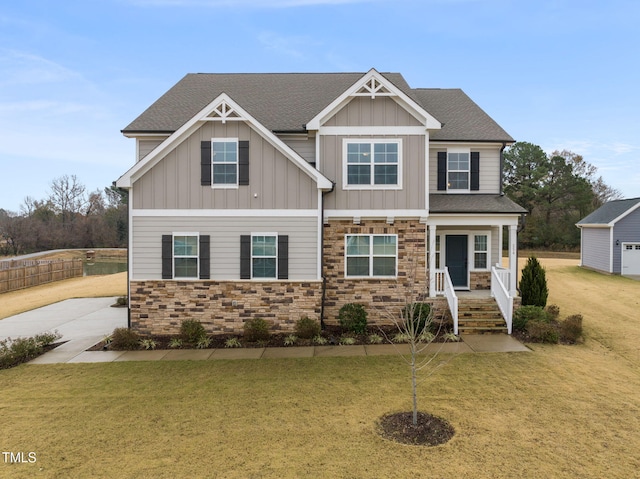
543	324
20	350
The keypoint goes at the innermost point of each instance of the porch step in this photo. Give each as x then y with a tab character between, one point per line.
480	316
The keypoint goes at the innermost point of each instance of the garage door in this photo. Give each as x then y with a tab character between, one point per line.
631	259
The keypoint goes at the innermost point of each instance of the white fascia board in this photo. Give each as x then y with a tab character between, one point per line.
149	161
409	104
626	213
474	220
226	213
594	225
377	214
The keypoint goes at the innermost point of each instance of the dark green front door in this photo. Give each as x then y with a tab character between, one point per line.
457	260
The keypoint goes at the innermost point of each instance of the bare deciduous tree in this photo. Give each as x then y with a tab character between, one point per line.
418	326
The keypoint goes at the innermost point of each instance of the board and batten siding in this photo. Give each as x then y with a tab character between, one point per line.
380	111
225	243
306	148
596	249
275	182
146	146
489	167
410	196
626	230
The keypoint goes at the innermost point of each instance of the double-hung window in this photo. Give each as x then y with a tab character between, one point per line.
372	163
224	162
371	255
458	170
480	249
264	256
185	256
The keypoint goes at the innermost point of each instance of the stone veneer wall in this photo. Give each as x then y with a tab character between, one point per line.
480	280
380	297
158	307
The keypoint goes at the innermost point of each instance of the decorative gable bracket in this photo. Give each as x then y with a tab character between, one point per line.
373	87
223	112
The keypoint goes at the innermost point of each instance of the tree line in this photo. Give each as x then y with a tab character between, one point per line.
69	217
558	190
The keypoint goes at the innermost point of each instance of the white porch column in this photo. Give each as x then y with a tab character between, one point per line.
513	259
432	261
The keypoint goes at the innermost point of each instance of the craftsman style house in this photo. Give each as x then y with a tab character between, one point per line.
290	195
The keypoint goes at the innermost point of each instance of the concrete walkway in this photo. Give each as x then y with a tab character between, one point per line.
85	322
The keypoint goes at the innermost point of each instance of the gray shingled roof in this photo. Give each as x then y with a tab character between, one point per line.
462	118
473	203
288	101
609	212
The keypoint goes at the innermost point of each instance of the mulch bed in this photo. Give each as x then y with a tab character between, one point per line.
331	333
429	431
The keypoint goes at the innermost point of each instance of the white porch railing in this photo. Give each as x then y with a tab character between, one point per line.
444	286
499	280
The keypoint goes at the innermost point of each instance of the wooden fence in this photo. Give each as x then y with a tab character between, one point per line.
19	274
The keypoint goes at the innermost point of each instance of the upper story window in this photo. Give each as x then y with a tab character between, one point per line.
372	164
371	255
224	162
458	169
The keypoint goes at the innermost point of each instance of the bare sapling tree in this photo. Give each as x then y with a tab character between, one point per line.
418	326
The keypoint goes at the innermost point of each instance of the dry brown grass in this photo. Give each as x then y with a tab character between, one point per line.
16	302
559	412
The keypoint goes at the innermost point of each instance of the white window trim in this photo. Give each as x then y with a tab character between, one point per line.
223	186
474	251
173	256
371	186
371	256
468	171
470	247
276	256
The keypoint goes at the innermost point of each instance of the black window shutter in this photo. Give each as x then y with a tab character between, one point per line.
245	257
475	170
167	257
205	163
283	257
243	162
205	257
442	171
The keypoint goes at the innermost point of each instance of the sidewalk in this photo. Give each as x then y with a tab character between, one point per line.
75	352
85	322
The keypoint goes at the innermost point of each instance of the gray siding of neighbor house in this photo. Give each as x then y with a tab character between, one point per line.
146	146
363	111
625	230
410	196
225	243
595	249
275	182
489	167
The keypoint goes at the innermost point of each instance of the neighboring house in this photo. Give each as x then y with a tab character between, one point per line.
290	195
610	238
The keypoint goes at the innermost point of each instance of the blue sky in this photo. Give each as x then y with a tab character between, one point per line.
560	74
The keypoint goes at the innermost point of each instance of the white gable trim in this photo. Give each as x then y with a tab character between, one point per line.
213	108
384	88
626	213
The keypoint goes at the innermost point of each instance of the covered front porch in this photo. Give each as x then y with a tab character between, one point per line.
465	257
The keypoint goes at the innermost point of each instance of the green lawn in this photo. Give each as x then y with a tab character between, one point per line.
561	411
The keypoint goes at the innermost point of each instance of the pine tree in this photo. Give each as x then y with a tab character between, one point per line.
533	284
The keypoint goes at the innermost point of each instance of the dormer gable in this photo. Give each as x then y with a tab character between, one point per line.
374	85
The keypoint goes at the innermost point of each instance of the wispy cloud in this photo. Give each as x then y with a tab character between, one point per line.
291	46
20	68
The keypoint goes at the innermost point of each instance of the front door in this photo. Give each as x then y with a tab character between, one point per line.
457	261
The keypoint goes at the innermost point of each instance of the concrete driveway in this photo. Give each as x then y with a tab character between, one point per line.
82	322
